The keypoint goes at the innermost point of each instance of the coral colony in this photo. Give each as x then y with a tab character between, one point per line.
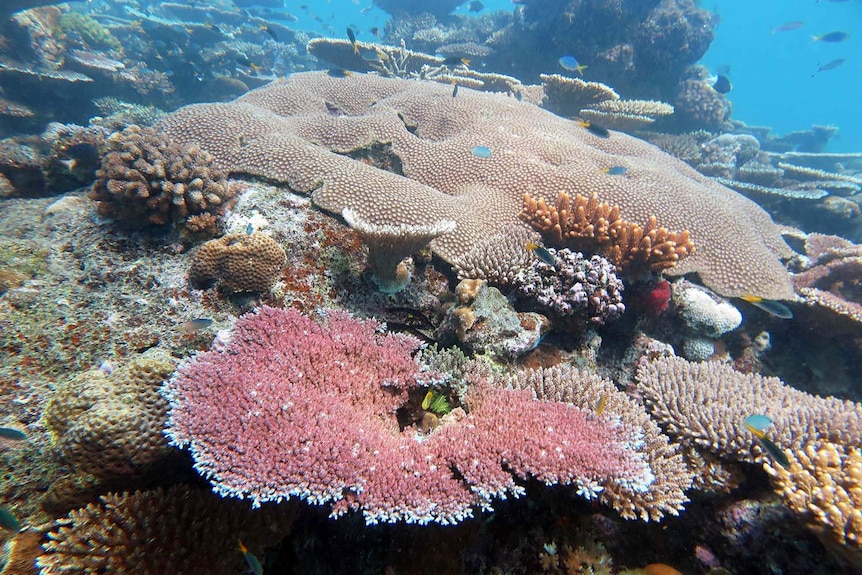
271	289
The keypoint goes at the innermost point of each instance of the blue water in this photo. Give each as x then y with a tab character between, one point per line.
771	73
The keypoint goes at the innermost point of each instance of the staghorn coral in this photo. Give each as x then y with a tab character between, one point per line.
161	532
592	225
389	245
824	486
314	131
111	425
573	285
146	179
294	408
238	263
705	404
666	495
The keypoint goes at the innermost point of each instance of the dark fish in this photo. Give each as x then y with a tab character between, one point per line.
475	6
595	129
375	30
769	446
338	72
770	306
455	90
12	434
8	521
722	84
195	325
456	61
253	562
352	37
269	32
837	36
542	253
829	66
788	26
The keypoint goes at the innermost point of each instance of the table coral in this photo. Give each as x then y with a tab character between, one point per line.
296	408
398	152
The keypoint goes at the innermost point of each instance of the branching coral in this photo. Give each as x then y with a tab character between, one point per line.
592	225
161	531
146	178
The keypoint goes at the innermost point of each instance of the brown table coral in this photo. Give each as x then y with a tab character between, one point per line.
402	152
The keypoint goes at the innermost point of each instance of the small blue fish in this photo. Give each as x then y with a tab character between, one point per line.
194	325
250	558
571	64
615	170
542	253
12	434
8	521
481	151
249	229
758	421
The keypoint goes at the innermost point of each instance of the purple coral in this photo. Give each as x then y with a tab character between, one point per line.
574	285
295	408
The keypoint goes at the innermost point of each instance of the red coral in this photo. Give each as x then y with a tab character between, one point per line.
294	408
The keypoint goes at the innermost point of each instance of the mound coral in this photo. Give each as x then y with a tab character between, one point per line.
110	425
238	263
146	179
295	408
399	152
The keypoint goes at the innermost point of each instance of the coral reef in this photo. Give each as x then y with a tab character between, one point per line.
169	531
430	144
146	179
486	323
238	263
110	425
831	277
389	245
666	495
573	285
698	106
706	318
824	485
593	225
310	411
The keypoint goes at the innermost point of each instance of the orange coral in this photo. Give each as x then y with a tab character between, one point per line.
590	224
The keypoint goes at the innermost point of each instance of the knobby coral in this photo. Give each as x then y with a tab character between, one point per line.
146	178
399	152
238	262
296	408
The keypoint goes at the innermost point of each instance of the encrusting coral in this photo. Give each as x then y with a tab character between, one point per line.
401	152
238	263
593	225
146	179
162	532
